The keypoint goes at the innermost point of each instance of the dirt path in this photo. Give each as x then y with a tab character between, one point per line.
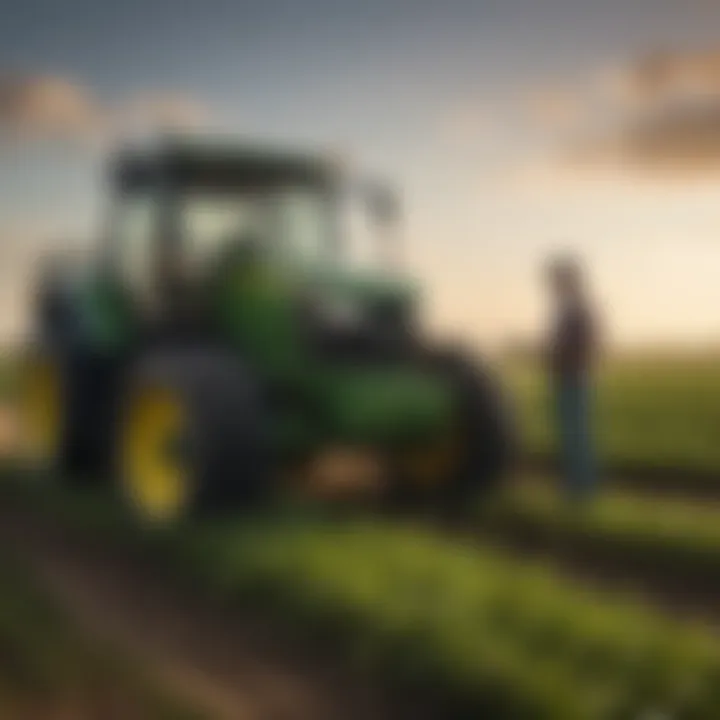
201	654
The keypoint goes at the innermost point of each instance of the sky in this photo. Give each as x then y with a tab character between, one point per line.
514	128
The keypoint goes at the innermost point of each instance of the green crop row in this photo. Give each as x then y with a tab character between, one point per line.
677	541
462	626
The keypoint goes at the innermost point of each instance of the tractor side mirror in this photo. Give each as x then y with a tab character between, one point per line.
382	203
383	207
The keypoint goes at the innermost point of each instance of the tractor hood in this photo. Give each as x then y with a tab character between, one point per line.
359	286
358	318
387	404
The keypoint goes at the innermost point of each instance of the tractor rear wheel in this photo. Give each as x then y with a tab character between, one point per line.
485	430
191	437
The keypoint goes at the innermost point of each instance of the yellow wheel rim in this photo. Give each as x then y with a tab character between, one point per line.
155	470
41	411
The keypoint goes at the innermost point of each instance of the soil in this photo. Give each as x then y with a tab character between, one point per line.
200	652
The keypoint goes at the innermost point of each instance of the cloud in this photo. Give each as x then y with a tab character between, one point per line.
661	74
681	139
660	114
42	107
47	106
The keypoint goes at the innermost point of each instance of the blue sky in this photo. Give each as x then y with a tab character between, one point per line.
433	93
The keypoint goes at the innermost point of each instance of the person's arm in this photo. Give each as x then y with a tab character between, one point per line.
575	343
585	340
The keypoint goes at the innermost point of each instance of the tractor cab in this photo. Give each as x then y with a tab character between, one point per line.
186	213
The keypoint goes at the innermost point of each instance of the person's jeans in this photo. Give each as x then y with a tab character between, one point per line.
574	401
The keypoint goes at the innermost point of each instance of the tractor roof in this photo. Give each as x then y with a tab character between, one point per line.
217	165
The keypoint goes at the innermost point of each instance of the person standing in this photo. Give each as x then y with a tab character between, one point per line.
573	350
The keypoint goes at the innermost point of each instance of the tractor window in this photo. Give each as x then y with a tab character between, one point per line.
303	223
210	223
291	223
135	230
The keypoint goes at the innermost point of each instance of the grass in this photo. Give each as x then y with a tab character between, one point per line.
49	669
678	542
460	625
661	413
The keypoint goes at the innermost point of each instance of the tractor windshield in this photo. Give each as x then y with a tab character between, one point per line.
291	225
295	226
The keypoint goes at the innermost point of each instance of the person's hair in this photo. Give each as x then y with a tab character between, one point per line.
565	267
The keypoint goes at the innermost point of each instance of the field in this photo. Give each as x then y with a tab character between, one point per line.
652	413
671	547
50	669
532	609
457	622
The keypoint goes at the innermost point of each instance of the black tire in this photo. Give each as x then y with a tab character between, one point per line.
229	452
488	431
92	404
86	397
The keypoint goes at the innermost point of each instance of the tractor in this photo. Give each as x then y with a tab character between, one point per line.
222	349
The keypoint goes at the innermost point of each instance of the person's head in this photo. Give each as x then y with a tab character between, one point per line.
565	278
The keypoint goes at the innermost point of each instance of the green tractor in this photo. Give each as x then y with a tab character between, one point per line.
222	348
